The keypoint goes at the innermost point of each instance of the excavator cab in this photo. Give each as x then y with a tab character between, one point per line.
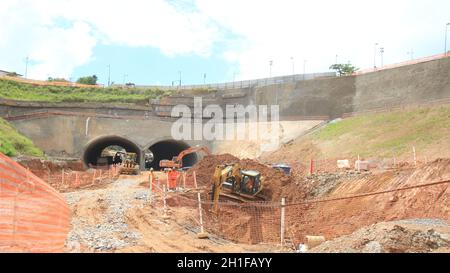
251	182
230	182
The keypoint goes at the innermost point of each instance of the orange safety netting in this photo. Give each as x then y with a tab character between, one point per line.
34	217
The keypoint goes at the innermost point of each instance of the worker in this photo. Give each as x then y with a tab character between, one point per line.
173	178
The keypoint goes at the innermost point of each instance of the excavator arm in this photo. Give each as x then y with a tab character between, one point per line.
177	162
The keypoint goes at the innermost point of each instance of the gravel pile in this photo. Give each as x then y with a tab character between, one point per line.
113	232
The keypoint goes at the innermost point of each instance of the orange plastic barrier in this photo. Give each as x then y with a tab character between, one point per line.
34	217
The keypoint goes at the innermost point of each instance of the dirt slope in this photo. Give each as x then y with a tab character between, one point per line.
333	219
374	136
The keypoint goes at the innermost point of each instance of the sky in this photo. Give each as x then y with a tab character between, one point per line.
154	42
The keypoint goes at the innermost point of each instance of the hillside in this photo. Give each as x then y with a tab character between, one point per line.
29	92
375	135
12	143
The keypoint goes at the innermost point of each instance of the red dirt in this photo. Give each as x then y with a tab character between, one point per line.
274	180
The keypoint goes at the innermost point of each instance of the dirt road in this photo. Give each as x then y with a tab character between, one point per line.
120	218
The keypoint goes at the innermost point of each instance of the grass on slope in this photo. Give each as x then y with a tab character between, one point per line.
28	92
12	143
389	133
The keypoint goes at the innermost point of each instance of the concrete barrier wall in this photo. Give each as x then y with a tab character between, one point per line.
403	85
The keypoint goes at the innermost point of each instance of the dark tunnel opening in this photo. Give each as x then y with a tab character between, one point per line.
93	152
167	150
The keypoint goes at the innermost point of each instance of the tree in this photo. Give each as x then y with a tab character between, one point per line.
12	74
90	80
344	69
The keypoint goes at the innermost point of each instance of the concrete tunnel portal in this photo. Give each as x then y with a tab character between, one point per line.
147	158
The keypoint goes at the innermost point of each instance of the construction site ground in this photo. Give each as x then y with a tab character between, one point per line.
118	217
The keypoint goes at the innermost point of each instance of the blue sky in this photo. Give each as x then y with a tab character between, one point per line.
151	40
149	66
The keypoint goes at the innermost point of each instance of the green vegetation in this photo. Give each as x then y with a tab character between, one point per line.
344	69
12	143
28	92
90	80
388	134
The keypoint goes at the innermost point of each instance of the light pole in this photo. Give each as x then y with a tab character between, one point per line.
375	56
411	53
304	69
204	78
26	66
381	54
125	76
270	71
293	65
109	75
336	59
446	30
179	72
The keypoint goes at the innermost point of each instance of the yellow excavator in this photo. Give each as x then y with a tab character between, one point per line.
130	165
231	182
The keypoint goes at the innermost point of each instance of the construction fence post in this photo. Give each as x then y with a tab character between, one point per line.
164	200
195	180
62	178
282	220
150	197
202	234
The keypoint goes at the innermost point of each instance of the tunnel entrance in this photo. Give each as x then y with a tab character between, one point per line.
167	150
102	151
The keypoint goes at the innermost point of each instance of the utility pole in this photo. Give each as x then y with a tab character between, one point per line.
204	79
446	30
26	67
381	54
375	56
125	76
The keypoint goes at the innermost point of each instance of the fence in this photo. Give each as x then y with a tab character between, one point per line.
411	62
34	217
243	84
66	180
288	222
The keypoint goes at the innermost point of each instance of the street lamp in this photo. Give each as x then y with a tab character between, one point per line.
304	69
375	56
179	72
26	66
270	65
381	53
446	30
109	75
411	53
293	65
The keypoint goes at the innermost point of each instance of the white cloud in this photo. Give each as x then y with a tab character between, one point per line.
318	30
33	28
261	30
